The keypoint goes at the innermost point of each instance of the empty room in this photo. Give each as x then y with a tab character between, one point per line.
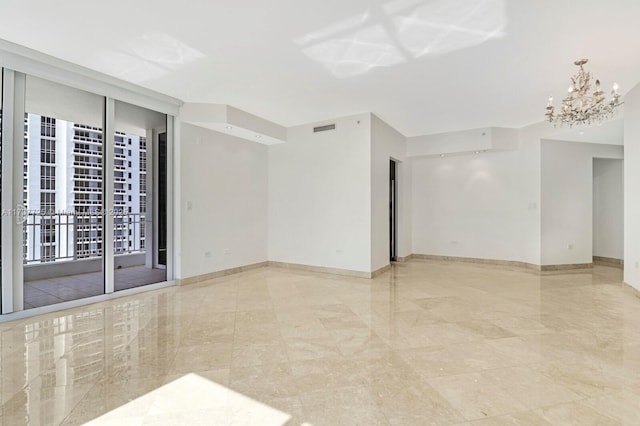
406	212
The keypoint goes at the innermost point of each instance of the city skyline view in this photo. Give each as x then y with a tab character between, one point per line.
62	190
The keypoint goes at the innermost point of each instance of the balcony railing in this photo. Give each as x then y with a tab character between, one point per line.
72	236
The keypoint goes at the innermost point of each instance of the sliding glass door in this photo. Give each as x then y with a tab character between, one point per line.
63	193
86	180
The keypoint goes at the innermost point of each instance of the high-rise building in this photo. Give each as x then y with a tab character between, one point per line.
62	187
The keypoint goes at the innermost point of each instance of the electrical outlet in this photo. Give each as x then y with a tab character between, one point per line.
226	251
207	254
569	246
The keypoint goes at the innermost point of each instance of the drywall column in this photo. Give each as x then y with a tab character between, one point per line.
632	187
386	144
320	196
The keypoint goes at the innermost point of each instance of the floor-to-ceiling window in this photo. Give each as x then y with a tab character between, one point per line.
63	193
87	179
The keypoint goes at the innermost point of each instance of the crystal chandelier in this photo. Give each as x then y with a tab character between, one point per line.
581	106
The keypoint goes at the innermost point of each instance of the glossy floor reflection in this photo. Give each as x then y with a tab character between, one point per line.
426	343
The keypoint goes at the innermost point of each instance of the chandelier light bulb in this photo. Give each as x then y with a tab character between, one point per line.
615	88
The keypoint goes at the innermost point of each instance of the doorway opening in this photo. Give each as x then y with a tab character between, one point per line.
393	191
608	212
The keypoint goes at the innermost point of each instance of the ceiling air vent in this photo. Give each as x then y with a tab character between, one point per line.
324	128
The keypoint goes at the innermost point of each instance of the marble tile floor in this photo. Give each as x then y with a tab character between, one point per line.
62	289
427	343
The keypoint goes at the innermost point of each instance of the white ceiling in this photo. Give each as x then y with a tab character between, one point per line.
608	133
424	66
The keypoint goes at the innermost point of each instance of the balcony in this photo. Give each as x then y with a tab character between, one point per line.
83	177
95	141
88	165
63	256
88	152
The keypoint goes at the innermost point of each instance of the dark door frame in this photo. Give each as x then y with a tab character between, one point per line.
393	210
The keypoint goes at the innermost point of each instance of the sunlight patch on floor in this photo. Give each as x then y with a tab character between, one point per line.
193	399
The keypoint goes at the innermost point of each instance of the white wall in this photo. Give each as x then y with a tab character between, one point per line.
320	196
469	206
527	204
387	143
484	205
223	202
325	197
632	187
567	199
608	208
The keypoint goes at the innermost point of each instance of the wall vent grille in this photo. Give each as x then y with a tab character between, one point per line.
324	128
